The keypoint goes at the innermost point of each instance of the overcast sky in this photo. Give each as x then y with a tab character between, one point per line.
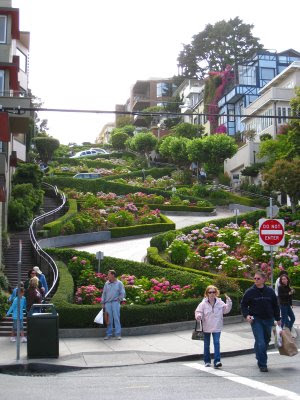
87	54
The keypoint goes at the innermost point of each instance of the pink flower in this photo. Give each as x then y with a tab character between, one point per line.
74	258
83	262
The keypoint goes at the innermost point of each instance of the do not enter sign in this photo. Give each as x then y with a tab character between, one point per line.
271	232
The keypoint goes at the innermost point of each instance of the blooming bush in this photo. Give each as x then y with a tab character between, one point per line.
178	251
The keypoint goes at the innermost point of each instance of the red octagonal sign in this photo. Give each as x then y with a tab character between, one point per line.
271	232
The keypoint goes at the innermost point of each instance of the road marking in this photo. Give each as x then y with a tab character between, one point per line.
275	391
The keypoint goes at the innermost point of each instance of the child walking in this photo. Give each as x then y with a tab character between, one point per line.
14	311
210	311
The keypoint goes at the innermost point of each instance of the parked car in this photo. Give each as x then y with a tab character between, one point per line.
100	151
87	175
85	153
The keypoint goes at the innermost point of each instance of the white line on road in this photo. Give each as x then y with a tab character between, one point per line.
275	391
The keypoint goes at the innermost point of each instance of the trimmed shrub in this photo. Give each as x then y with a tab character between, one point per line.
82	316
54	227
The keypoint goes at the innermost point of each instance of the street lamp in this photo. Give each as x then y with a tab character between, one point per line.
158	130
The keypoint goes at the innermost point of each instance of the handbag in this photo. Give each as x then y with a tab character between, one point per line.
99	318
198	333
289	347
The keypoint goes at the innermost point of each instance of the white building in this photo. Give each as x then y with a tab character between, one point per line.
274	100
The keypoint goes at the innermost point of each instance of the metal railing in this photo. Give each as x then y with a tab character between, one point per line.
39	252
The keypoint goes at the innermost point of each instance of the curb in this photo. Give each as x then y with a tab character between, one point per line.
141	330
39	368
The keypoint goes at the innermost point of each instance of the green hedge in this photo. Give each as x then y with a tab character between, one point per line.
54	227
90	163
154	258
180	207
154	172
82	316
252	217
166	225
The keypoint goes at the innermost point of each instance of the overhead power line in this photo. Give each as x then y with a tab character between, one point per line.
22	110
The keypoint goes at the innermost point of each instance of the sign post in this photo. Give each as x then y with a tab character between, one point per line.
271	235
19	300
99	257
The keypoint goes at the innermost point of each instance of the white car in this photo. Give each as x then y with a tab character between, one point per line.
85	153
100	151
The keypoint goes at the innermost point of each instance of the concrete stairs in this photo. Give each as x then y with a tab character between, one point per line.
11	258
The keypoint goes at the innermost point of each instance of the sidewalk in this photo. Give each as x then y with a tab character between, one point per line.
91	352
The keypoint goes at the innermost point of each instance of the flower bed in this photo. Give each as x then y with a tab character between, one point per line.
233	250
152	312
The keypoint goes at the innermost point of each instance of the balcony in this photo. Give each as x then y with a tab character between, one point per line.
273	94
237	93
140	102
19	123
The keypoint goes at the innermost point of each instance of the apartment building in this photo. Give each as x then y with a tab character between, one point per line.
14	124
191	91
274	99
250	77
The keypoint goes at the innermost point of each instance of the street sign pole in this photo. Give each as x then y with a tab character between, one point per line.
271	247
271	235
19	300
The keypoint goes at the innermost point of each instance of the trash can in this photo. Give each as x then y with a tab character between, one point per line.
42	332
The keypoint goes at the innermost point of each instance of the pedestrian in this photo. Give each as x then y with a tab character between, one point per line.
277	283
31	273
112	295
14	293
210	311
260	308
285	293
14	311
42	279
33	294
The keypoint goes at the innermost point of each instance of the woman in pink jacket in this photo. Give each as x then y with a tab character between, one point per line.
210	311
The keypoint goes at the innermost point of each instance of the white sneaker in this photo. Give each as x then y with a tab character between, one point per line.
13	339
23	339
118	338
107	337
207	365
294	333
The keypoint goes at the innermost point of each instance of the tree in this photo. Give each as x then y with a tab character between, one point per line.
216	149
46	147
123	120
187	130
175	149
197	151
144	143
284	176
28	173
118	140
224	43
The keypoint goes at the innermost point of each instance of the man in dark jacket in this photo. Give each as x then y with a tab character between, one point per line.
260	308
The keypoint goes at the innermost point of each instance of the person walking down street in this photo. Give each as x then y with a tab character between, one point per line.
210	311
42	279
14	311
33	294
285	293
260	307
277	283
112	295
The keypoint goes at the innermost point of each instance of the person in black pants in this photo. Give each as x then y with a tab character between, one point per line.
285	293
260	308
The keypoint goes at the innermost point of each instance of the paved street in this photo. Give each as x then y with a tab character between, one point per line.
238	379
136	249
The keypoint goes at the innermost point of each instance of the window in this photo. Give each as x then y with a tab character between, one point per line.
23	60
1	83
3	23
231	115
163	89
247	75
267	74
282	113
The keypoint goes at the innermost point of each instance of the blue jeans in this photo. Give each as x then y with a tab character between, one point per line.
216	340
287	316
261	329
113	310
